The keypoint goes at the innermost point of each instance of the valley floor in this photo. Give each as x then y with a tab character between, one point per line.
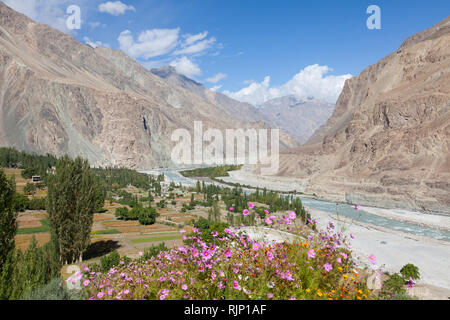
394	249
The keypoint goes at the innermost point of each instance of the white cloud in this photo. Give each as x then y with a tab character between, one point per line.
95	44
195	44
217	78
150	43
197	47
51	12
190	39
215	88
116	8
186	67
311	81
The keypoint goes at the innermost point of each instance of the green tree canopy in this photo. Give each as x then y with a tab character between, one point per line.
72	201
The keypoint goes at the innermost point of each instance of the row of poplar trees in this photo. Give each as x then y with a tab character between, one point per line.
74	195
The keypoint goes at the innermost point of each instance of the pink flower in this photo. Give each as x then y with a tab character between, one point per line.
86	283
231	209
327	267
255	246
266	212
343	254
227	253
194	229
100	295
339	260
311	253
206	254
356	207
184	287
251	205
236	270
236	285
292	215
245	212
411	283
269	221
270	295
141	253
372	258
270	255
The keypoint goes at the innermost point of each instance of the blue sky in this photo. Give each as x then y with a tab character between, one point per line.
251	50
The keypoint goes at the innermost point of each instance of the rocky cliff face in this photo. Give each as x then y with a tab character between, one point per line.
388	140
62	97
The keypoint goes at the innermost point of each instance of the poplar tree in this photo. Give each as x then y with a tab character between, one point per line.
72	200
8	228
8	217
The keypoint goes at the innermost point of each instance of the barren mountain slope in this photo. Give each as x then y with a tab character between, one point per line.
60	96
235	109
388	140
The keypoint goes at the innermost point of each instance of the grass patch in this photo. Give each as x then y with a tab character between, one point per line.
45	228
211	172
105	231
155	239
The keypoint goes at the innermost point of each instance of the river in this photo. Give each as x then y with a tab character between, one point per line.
345	210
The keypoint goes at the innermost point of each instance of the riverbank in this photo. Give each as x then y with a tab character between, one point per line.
419	218
394	249
245	176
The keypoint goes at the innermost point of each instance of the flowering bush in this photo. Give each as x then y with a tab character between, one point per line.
233	267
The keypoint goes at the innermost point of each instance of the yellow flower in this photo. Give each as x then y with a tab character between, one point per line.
308	290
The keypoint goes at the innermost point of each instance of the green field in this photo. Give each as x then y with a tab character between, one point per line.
45	228
155	239
105	231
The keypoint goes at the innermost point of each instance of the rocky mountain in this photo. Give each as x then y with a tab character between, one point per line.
242	110
63	97
299	117
387	142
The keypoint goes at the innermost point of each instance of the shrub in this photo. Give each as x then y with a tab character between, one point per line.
122	213
410	270
393	286
109	261
153	251
202	224
146	216
37	204
54	290
20	202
